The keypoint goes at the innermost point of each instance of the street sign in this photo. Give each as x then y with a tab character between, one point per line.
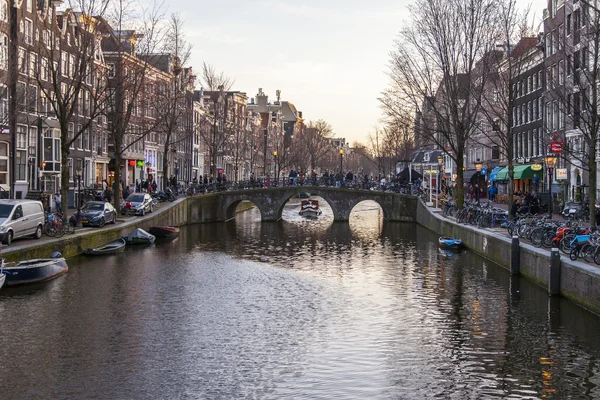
483	171
556	147
561	173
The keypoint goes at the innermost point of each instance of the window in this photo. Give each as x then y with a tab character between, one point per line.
3	51
21	165
561	37
28	31
32	141
21	137
561	72
72	64
4	10
44	69
64	64
548	44
22	61
33	64
569	65
21	93
86	139
30	5
554	42
32	99
71	134
111	70
3	163
79	138
568	24
3	103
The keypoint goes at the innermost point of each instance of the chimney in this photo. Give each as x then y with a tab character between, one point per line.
300	114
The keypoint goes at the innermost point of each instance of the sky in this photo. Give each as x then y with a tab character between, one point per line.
328	57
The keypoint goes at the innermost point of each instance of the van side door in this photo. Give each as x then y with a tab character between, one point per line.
18	222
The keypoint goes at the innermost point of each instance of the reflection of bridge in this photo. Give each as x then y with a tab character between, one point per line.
221	206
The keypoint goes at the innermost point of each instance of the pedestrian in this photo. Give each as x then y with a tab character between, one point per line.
58	202
137	186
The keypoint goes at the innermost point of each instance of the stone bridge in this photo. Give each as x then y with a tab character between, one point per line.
221	206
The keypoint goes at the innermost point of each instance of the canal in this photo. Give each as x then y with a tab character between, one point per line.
298	309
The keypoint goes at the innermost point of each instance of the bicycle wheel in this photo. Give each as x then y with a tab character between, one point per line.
49	229
587	253
565	243
574	254
60	230
536	237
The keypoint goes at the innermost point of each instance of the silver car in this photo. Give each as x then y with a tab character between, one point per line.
138	204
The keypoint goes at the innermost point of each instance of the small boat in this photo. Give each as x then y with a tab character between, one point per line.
116	246
2	278
33	271
310	209
303	195
139	236
164	232
450	243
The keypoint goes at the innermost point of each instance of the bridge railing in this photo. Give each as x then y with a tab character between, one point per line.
254	184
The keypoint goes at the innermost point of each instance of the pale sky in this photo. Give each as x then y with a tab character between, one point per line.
328	57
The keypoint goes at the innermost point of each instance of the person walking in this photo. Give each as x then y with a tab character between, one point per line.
58	202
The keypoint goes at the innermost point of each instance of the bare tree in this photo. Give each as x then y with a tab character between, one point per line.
72	82
174	103
434	63
314	144
215	85
519	53
133	82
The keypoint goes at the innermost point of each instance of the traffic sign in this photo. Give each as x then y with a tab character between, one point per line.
556	147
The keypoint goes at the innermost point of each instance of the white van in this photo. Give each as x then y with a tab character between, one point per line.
20	218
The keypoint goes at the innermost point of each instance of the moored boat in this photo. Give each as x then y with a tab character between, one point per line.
139	236
310	208
32	271
116	246
2	278
450	243
164	232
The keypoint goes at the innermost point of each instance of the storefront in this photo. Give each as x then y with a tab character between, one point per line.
527	178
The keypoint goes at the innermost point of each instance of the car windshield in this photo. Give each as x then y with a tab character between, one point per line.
138	198
93	207
5	210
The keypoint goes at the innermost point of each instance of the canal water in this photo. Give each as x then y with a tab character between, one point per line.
299	309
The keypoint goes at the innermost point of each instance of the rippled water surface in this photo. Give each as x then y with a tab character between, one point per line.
298	309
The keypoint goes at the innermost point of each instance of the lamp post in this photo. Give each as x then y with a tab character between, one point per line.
440	161
341	160
550	164
478	166
276	175
79	172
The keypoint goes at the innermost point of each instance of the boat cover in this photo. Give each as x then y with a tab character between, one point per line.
140	234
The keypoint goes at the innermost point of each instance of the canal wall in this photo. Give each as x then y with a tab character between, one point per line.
579	281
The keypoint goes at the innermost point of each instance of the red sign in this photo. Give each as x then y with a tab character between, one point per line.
556	147
132	163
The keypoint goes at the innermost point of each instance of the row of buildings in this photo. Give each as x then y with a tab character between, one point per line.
553	81
65	71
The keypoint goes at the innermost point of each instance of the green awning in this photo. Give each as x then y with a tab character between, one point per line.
521	172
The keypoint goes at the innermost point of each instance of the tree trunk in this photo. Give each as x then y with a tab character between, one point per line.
511	174
64	179
116	189
165	169
459	188
592	190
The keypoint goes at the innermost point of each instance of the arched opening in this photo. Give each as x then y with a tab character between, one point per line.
290	211
366	219
243	211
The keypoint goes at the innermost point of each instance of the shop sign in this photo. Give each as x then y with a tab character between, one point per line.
556	147
561	173
139	163
131	163
536	167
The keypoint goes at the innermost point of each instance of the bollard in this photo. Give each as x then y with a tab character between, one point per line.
554	278
515	256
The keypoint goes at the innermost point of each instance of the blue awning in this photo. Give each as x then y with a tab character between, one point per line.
494	173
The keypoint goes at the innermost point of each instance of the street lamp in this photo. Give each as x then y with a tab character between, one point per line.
440	161
550	164
341	159
275	166
478	166
79	172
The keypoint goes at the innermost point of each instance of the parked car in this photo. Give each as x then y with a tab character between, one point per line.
138	204
19	218
98	213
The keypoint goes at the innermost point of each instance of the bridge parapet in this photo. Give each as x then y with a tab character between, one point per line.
221	206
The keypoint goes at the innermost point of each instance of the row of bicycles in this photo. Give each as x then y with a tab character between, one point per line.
56	225
480	215
571	237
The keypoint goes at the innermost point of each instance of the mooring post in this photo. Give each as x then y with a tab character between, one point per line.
515	256
554	278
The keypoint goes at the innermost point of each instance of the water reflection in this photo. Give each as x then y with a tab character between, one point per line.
365	309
